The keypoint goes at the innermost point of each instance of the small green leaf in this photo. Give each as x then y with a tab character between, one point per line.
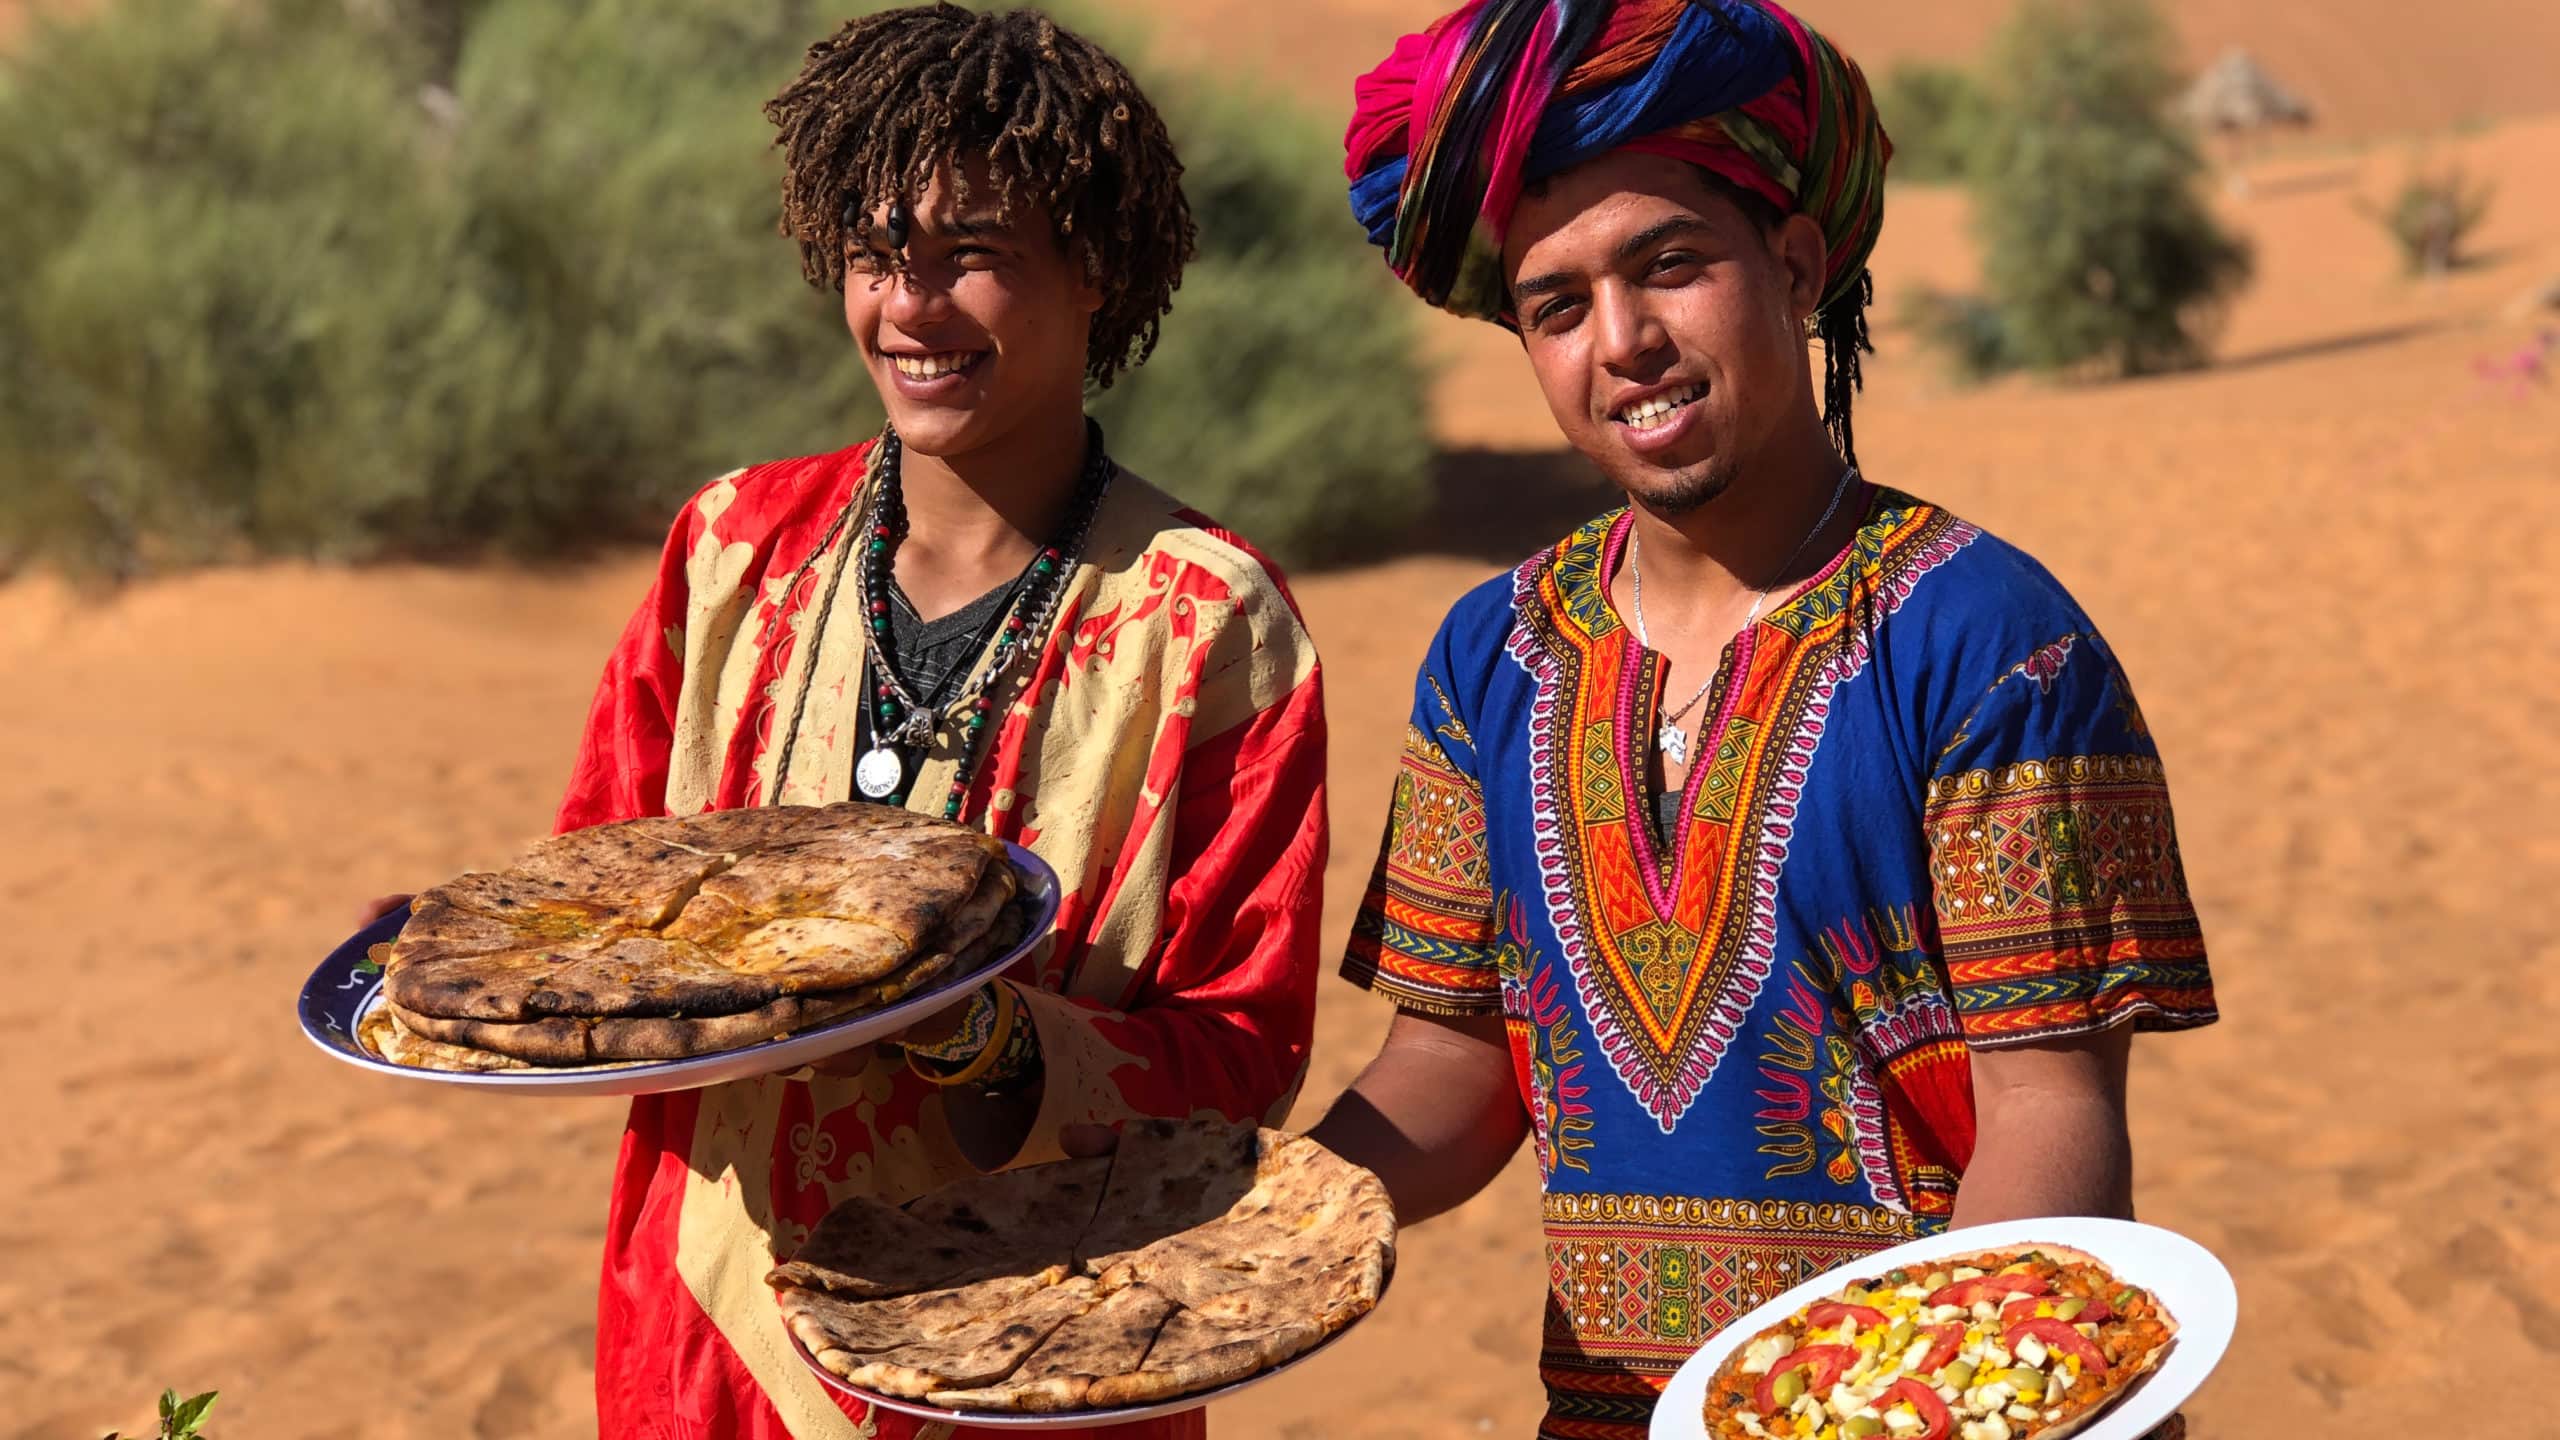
168	1407
191	1413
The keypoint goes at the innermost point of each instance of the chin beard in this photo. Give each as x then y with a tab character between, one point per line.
1683	491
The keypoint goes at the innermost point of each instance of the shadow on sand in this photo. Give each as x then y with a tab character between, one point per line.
2329	345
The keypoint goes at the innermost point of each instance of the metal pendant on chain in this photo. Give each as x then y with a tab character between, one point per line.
1669	736
899	719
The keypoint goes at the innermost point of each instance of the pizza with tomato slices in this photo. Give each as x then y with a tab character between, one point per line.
2015	1345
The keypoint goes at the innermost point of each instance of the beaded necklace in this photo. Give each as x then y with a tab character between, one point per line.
898	717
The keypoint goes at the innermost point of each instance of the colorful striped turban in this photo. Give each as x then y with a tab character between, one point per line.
1502	94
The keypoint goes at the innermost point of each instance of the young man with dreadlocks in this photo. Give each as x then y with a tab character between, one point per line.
1785	857
976	614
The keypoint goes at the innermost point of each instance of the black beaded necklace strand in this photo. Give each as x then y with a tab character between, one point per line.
898	717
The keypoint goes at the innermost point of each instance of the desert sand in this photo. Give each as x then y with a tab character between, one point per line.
2317	559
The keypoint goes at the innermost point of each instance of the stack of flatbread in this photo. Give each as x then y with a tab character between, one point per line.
1194	1256
670	938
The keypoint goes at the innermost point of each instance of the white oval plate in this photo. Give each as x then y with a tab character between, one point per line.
348	985
1078	1419
2192	1285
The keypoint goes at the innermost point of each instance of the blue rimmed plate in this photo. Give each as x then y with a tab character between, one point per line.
348	985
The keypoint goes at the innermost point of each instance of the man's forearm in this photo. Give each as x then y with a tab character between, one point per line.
1434	1115
1424	1176
2038	1155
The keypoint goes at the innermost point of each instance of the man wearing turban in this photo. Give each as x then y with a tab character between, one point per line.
1784	857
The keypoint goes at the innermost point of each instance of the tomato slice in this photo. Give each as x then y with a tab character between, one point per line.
1832	1312
1933	1411
1827	1362
1983	1287
1944	1341
2098	1312
2058	1336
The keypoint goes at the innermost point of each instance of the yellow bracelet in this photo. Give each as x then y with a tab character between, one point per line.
1008	1014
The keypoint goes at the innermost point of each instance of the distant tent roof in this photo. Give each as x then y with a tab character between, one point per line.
2236	93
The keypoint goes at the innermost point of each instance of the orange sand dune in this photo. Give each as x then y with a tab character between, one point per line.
2367	67
2325	564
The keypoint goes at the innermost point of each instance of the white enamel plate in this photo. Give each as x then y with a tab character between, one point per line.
2192	1285
348	985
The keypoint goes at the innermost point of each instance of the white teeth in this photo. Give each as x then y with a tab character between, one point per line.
930	367
1647	413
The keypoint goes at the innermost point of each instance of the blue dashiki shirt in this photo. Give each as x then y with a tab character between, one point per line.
1926	816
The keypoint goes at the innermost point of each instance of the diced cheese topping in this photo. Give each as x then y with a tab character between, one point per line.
1900	1421
1762	1353
2031	1352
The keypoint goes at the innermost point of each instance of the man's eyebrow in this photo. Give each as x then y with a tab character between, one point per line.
1656	233
1542	284
1628	249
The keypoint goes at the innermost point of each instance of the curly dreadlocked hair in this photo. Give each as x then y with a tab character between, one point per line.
889	99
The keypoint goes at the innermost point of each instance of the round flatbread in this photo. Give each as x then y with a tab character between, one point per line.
1199	1254
676	937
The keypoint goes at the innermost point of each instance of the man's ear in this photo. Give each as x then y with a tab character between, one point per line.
1800	247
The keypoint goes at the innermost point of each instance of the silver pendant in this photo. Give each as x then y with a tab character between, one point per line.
878	773
1675	744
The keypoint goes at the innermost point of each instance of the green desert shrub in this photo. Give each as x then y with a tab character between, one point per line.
434	276
2099	251
2430	219
1287	398
1966	330
1936	115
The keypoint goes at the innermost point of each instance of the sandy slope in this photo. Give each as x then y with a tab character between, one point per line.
2323	564
2368	67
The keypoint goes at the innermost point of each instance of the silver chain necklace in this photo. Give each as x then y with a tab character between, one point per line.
1669	737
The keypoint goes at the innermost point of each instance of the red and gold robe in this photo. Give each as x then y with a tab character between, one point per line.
1164	751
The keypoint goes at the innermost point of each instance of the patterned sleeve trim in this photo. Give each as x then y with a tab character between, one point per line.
1422	938
2061	900
996	1047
